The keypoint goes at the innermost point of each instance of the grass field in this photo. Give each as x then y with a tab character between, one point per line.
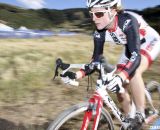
28	97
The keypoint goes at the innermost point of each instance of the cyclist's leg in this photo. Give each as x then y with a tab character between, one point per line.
137	85
125	101
124	98
137	91
149	51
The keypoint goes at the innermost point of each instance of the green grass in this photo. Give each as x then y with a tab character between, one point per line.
25	65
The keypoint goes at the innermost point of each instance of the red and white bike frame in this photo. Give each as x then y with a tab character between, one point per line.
100	96
95	108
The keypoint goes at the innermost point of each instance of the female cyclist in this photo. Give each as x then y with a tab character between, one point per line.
141	46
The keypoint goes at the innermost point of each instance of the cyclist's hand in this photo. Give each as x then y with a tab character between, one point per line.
115	84
69	74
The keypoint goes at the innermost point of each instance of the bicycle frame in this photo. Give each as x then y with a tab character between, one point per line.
96	104
101	95
96	101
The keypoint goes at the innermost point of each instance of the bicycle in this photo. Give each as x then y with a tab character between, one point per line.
92	114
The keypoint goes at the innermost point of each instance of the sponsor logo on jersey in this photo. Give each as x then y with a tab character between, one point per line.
97	35
133	57
126	23
115	39
151	45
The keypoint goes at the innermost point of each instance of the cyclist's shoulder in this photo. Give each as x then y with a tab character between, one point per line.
126	19
141	21
127	15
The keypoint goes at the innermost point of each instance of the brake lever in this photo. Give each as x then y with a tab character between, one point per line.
56	72
58	64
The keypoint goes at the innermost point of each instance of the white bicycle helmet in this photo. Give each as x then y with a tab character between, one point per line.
103	3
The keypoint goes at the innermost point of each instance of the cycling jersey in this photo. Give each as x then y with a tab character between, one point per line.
129	30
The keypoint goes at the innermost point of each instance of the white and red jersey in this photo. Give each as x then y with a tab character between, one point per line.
135	34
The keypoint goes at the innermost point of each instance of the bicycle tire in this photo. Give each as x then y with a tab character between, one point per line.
75	110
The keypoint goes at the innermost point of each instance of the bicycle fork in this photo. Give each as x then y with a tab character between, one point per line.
94	109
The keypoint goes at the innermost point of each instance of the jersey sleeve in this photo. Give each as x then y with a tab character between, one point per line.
131	29
99	40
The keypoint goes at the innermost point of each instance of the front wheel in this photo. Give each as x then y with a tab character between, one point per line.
72	118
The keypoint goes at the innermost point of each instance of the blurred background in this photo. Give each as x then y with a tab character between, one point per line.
32	35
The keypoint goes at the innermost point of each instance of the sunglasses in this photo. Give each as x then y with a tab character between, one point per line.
98	14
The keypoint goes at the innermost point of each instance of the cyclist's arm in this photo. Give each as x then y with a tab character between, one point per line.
132	49
99	39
